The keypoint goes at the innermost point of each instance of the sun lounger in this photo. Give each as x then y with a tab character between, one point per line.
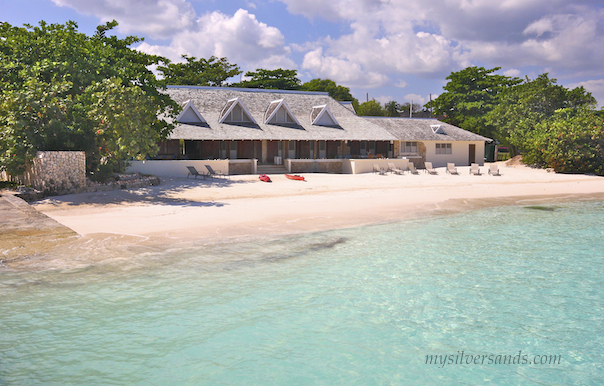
429	168
378	169
474	169
494	170
451	169
393	169
194	172
412	168
214	173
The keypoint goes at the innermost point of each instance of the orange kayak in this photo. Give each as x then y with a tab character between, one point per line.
264	177
294	177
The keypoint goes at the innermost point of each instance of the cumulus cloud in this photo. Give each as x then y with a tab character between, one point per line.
241	38
431	38
154	18
341	70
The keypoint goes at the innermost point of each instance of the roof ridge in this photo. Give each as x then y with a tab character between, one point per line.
260	90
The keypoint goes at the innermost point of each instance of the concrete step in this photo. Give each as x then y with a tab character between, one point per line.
271	169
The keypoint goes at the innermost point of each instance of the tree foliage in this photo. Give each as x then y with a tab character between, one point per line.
278	79
571	141
469	96
47	74
199	72
339	93
370	108
520	109
392	109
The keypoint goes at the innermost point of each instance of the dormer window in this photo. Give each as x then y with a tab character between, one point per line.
437	129
235	112
278	112
322	116
189	114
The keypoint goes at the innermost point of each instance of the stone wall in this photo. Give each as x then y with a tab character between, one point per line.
56	172
316	166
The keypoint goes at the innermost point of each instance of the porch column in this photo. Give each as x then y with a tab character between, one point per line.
264	151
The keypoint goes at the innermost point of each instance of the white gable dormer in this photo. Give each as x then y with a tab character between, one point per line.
437	129
278	112
235	112
190	114
322	116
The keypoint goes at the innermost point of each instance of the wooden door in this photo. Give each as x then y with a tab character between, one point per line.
472	155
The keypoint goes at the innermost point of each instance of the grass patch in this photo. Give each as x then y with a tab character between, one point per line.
543	208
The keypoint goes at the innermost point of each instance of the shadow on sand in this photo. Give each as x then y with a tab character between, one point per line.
165	194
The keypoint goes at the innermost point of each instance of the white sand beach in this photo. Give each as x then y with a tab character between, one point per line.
182	210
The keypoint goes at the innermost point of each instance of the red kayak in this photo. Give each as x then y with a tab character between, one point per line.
265	178
294	177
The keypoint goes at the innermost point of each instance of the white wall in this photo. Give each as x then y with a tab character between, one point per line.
176	168
358	166
460	151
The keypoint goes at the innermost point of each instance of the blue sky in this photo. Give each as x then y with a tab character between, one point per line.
390	49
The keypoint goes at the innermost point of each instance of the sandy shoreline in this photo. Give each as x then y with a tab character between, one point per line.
121	226
188	209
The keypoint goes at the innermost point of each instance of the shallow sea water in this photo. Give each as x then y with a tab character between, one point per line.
358	306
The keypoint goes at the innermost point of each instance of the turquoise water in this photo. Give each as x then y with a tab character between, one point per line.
349	307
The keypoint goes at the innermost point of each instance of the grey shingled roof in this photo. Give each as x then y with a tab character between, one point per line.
420	129
210	101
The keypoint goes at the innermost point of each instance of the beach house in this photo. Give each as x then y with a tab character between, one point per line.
248	131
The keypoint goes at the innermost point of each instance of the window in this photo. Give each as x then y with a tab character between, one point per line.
409	147
443	148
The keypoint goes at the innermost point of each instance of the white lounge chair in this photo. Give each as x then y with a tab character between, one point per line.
429	168
474	169
494	170
451	169
393	169
412	168
378	169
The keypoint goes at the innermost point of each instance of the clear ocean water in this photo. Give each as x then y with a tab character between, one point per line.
360	306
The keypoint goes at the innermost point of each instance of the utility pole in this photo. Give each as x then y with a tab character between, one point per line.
411	109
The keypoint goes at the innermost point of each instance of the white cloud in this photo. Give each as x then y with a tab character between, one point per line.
154	18
512	72
421	100
341	71
594	86
241	38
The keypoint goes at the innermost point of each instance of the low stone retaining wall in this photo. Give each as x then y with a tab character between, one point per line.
314	166
122	181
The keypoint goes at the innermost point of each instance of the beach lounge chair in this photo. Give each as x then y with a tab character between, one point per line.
393	169
412	168
451	169
474	169
494	170
429	168
214	173
194	172
378	169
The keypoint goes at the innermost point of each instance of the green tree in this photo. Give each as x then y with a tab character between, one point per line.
278	79
339	93
370	108
521	108
392	109
199	72
469	96
46	75
571	141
